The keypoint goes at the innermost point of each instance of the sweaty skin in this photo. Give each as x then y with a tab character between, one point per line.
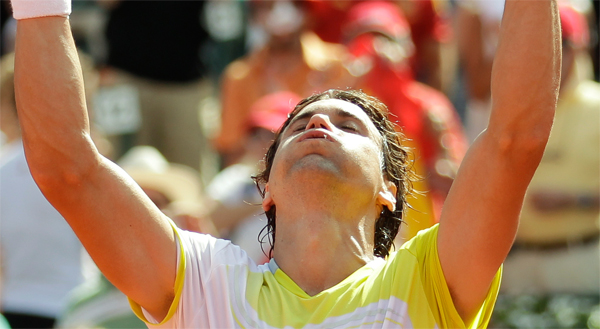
327	186
328	192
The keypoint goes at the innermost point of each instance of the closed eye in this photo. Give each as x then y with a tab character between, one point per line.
349	127
299	128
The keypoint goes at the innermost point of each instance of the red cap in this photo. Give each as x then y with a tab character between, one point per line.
271	111
376	16
574	26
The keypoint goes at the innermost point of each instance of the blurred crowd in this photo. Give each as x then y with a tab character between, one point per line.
186	96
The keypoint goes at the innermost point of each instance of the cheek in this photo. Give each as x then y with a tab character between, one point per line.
367	158
276	164
365	148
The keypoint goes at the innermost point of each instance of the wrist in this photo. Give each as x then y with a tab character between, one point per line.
24	9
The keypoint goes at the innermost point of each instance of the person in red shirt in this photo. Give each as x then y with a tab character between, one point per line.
292	59
427	21
378	36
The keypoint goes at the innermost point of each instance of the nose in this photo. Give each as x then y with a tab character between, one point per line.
319	121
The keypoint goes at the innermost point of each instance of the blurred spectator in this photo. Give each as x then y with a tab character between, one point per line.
42	259
88	22
432	61
435	59
588	8
3	323
595	36
557	249
9	122
292	59
379	40
237	213
176	190
98	304
546	311
155	68
477	29
226	23
5	17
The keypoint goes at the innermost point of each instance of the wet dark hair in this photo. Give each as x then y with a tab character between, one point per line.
397	166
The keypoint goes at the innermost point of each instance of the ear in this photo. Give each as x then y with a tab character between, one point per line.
267	200
387	195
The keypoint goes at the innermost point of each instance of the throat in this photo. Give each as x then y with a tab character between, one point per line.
317	277
319	258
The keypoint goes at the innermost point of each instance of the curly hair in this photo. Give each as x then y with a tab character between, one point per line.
397	166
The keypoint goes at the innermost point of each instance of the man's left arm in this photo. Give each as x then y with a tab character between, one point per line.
480	218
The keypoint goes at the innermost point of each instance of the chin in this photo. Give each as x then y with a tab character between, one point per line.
316	165
319	174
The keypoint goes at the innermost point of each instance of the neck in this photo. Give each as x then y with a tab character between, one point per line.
320	244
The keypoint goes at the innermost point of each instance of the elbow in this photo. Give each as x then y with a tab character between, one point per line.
57	180
524	134
52	181
56	172
523	145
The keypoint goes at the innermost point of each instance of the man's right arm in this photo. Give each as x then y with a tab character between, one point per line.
127	236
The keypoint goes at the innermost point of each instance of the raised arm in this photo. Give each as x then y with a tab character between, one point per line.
127	236
480	217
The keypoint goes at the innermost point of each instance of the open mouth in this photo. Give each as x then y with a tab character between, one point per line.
317	134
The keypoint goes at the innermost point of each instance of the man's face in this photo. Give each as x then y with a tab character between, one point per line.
328	142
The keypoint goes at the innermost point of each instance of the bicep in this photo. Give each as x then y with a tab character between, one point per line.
480	217
129	239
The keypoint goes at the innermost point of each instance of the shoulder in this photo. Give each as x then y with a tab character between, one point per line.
425	239
208	251
417	252
422	252
201	242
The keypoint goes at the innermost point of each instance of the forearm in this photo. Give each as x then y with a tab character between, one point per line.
50	96
526	71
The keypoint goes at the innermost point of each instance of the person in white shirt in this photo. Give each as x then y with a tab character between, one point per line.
41	256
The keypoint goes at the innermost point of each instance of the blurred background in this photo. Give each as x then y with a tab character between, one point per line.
187	95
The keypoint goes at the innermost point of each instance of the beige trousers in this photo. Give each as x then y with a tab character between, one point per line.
575	269
170	120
